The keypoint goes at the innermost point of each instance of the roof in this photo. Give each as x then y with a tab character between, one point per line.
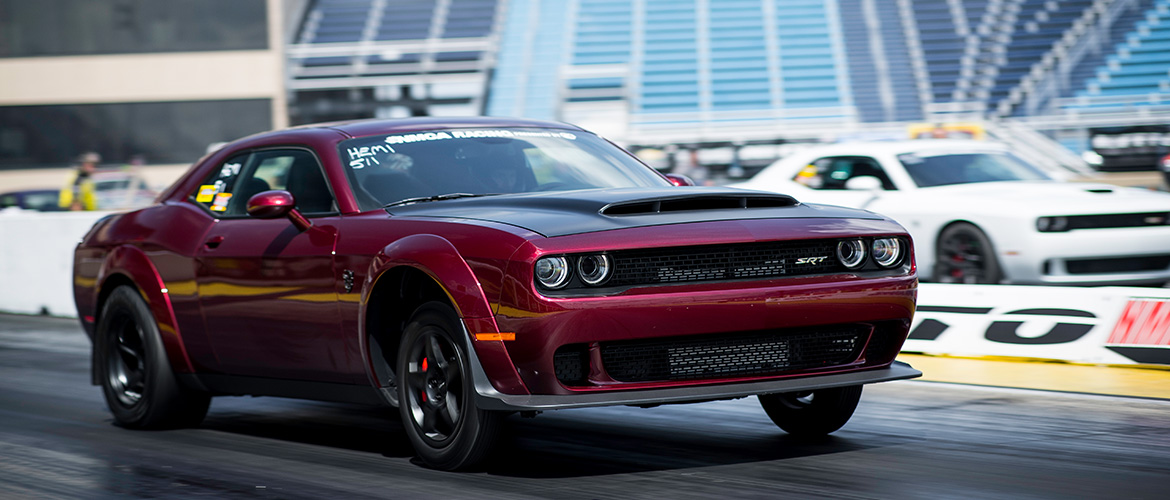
361	128
908	146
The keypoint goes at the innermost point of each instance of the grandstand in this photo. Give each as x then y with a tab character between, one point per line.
366	58
678	71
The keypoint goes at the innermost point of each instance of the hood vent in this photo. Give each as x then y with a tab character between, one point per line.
1100	190
694	203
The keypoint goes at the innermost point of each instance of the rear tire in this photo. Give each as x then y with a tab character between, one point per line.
436	396
132	366
812	413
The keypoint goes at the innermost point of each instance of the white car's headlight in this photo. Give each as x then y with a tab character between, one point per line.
887	252
1052	224
552	272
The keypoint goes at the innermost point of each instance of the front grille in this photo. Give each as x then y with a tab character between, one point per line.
731	355
1118	265
724	262
1118	220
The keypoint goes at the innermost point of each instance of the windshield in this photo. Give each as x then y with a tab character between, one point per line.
961	168
387	169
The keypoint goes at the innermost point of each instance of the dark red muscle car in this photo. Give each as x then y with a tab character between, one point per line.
465	269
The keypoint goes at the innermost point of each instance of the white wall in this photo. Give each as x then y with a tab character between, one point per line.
36	259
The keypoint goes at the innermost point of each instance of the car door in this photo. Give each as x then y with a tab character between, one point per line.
851	181
266	288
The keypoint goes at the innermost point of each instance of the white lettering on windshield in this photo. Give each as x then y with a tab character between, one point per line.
365	156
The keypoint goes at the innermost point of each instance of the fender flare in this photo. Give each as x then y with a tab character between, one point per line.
132	262
438	258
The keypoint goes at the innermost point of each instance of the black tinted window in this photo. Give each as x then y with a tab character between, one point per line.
962	168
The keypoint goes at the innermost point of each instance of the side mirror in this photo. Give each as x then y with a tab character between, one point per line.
274	204
680	180
864	183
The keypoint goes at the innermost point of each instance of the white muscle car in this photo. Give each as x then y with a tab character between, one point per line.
979	214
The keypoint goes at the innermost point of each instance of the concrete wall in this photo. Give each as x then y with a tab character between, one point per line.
36	260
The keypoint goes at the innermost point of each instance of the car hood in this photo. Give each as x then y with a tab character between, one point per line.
573	212
1053	198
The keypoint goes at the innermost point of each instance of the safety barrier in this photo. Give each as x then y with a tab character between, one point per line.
1106	325
1101	325
36	259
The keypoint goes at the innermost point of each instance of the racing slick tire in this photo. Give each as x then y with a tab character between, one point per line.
132	367
812	413
436	396
964	254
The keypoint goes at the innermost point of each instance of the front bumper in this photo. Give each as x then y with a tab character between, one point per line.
1049	257
490	399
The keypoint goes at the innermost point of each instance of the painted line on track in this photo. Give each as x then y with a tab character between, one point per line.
1143	382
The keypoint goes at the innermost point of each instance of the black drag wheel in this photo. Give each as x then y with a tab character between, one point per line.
965	255
135	375
435	393
812	413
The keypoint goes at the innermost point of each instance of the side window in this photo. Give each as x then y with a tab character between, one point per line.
227	190
835	172
215	192
294	170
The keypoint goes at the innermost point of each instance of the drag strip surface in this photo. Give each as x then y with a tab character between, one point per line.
907	440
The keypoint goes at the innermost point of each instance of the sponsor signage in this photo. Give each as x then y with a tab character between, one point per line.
1105	325
1130	148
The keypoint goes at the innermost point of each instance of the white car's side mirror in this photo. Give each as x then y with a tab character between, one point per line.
864	183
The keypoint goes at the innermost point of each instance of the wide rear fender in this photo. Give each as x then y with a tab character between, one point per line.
132	263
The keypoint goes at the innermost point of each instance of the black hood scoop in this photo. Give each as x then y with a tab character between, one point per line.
573	212
697	203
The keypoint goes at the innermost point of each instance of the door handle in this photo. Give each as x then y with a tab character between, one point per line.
213	242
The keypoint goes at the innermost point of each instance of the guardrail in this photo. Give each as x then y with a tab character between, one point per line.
1107	325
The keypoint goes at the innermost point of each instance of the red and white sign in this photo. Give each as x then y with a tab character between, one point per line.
1104	325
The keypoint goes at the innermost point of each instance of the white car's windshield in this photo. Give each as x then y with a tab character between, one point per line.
961	168
445	164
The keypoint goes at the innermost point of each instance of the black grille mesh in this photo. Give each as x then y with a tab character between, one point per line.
724	262
731	355
1118	220
1118	265
571	363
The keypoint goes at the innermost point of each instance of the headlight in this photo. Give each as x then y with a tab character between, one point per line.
552	272
887	252
1052	224
851	253
594	269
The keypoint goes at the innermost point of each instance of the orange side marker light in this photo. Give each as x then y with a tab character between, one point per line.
495	336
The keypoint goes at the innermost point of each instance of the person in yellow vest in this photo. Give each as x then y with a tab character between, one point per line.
79	194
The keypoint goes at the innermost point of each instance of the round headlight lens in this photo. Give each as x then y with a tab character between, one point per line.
851	253
887	251
552	272
594	269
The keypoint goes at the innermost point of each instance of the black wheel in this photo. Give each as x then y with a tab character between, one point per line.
812	413
435	393
965	255
135	375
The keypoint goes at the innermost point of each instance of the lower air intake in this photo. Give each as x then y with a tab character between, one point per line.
731	355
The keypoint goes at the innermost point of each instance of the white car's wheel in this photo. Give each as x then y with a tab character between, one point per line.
965	255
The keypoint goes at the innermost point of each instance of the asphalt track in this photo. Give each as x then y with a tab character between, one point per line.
913	439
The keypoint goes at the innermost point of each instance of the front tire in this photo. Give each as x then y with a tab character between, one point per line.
132	366
812	413
965	255
436	397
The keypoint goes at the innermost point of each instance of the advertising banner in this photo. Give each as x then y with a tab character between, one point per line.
1103	325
